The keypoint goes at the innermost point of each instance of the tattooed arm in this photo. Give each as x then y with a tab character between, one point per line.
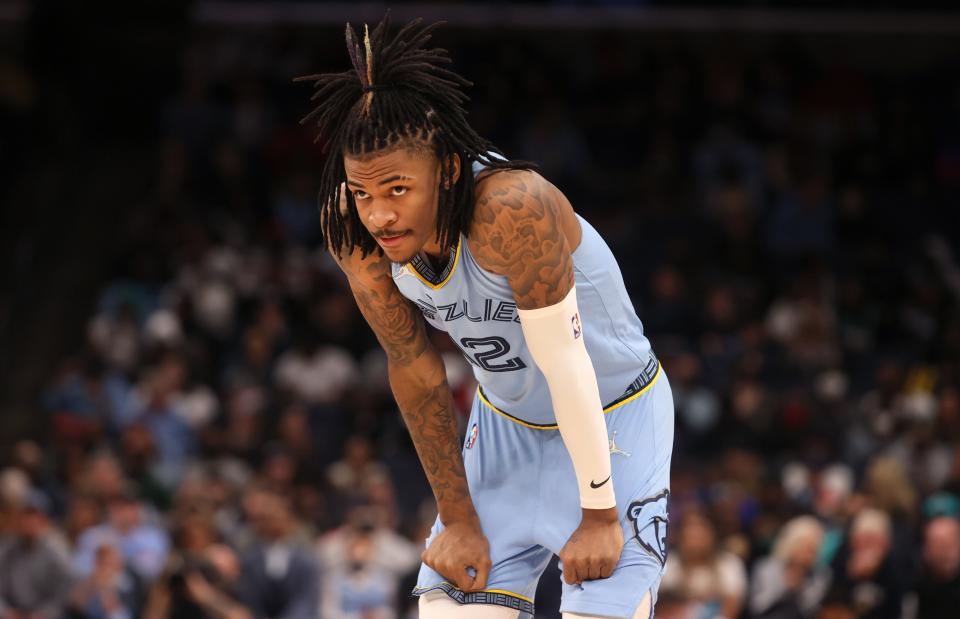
418	380
522	230
525	230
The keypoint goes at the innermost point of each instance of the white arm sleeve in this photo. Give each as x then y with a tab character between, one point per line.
554	336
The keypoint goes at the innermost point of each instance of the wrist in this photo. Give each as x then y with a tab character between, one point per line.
458	514
599	516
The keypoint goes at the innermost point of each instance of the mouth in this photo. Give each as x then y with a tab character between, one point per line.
391	240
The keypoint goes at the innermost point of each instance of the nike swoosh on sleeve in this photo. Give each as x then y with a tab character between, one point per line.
595	485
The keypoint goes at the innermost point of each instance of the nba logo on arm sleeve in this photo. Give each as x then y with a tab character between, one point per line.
575	323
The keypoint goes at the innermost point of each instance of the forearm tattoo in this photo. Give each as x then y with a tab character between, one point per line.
428	413
419	383
396	323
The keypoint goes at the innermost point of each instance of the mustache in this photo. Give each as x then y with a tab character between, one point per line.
389	233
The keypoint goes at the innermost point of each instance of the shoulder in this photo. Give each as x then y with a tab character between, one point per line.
513	189
520	230
515	211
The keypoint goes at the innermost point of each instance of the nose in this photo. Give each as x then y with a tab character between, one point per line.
382	215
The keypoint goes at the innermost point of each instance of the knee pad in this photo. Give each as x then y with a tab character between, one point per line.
437	605
644	611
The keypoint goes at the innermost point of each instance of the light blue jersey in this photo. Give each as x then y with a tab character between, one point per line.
477	309
520	475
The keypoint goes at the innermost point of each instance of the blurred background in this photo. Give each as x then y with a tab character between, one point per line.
195	420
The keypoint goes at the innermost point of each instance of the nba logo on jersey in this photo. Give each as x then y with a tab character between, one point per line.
575	322
472	438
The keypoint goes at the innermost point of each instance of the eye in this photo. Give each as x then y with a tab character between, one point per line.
399	190
359	194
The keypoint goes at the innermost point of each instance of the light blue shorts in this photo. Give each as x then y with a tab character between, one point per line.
523	485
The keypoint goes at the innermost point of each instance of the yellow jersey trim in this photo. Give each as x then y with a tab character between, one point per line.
536	426
442	283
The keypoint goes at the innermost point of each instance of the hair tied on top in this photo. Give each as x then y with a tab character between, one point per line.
425	108
378	87
369	58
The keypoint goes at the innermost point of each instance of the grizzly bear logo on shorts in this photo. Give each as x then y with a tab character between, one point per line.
649	517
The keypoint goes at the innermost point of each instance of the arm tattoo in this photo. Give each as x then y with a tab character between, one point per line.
394	320
517	234
428	412
418	380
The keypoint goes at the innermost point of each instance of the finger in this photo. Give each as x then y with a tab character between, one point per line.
577	571
483	572
434	561
463	579
593	568
468	583
607	569
569	575
580	572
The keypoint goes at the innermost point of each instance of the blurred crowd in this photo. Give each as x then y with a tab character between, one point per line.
225	444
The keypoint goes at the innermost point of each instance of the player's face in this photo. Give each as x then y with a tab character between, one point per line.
397	192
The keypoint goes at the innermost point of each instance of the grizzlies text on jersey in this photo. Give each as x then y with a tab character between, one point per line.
476	308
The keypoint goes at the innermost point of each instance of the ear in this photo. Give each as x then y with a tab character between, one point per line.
454	162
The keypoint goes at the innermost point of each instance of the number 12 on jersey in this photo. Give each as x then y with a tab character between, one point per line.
485	353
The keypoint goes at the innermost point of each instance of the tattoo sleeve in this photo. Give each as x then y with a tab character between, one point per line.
518	235
419	383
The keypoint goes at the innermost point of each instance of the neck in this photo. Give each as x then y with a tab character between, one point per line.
433	250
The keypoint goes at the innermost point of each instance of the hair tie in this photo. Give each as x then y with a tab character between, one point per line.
378	87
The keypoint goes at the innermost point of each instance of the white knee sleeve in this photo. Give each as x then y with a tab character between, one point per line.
437	605
644	611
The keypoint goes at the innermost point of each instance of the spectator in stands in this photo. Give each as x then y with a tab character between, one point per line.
35	573
110	592
144	545
865	577
138	458
29	458
279	578
700	572
294	433
200	585
392	553
890	489
99	477
938	591
315	374
359	587
116	336
347	475
83	513
158	404
788	584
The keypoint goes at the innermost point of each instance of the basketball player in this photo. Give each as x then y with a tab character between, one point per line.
570	436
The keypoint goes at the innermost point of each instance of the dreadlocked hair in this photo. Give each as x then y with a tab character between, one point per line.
398	93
